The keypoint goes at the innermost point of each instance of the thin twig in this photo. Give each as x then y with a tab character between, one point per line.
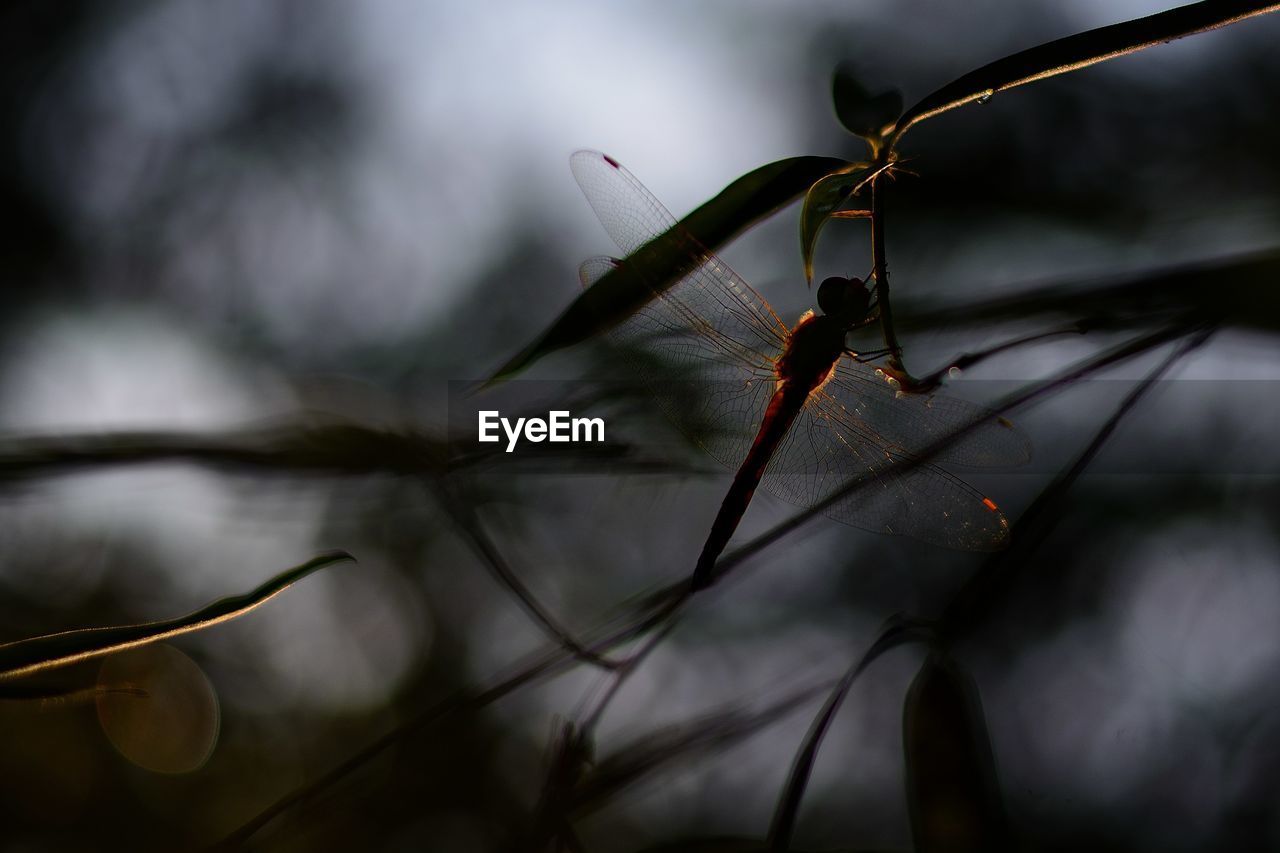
880	263
625	670
964	361
453	505
542	665
535	667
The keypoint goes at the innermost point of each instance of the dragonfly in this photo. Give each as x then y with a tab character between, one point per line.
791	410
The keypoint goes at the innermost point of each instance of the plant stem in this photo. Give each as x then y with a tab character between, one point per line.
881	266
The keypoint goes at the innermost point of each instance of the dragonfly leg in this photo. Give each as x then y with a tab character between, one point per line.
896	168
869	355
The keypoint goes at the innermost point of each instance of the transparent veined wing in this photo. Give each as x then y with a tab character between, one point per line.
917	421
827	447
706	345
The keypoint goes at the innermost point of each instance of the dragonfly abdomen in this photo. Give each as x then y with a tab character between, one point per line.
783	407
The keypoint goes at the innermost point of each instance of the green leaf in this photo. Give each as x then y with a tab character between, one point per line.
616	296
1080	51
39	654
822	201
862	113
952	795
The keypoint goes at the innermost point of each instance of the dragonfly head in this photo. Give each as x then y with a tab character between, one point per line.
844	299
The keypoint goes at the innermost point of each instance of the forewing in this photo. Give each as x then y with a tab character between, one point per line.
636	221
706	345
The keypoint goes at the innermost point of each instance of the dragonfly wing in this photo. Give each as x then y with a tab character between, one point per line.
705	345
634	218
630	214
594	269
916	421
710	386
827	448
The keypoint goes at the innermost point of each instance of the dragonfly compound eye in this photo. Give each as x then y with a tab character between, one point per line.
838	296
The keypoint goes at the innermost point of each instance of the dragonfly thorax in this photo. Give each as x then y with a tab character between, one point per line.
814	346
818	340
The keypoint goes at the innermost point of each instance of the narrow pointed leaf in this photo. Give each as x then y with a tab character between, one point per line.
896	631
953	797
1080	51
39	654
821	203
619	293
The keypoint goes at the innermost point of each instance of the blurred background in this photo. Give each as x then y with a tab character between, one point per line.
223	216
